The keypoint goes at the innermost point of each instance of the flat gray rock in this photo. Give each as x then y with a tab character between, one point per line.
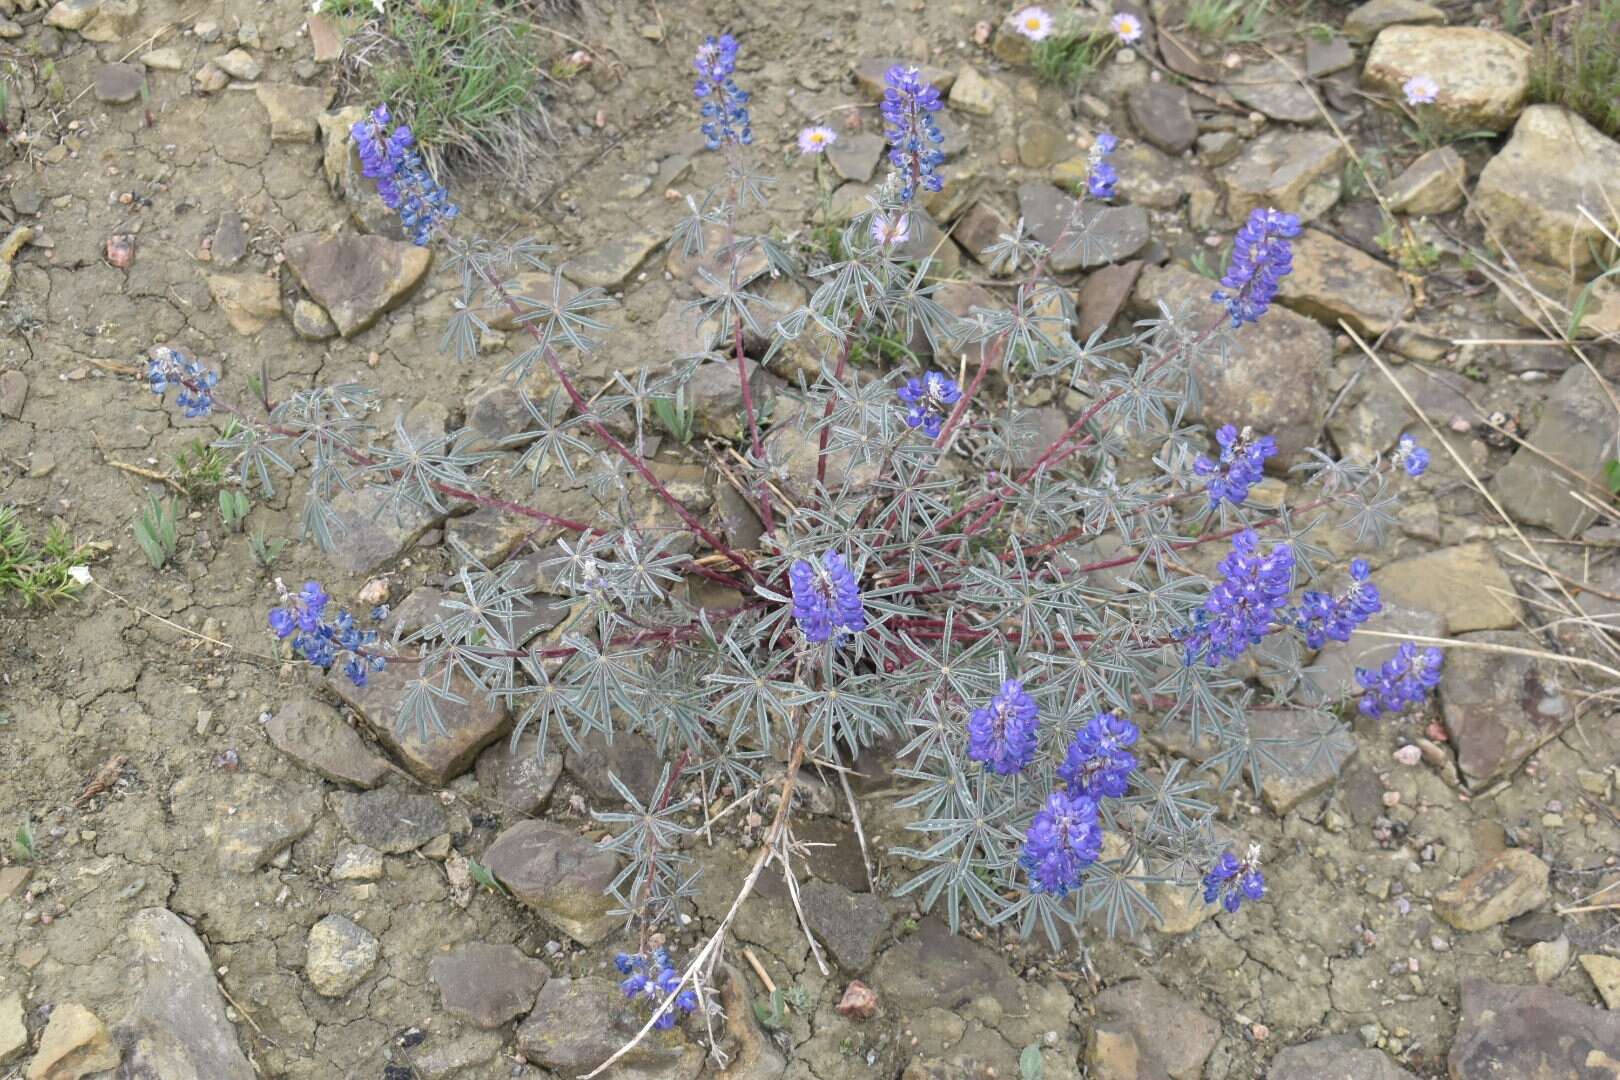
487	985
390	820
177	1028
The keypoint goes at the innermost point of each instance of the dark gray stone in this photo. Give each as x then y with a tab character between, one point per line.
119	84
630	757
1326	57
313	735
486	984
1161	113
1499	707
579	1023
438	757
356	278
612	263
1363	24
560	874
1168	1032
515	779
854	155
177	1029
934	968
1531	1031
390	820
1341	1057
851	925
1577	428
229	242
1103	296
1272	88
1104	234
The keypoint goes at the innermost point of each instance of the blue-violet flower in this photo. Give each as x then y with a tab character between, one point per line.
165	366
1261	258
1061	842
301	616
1242	607
909	105
1404	679
1002	733
1102	178
826	598
1411	457
725	104
652	978
1098	763
1242	464
1232	880
404	183
930	399
1323	617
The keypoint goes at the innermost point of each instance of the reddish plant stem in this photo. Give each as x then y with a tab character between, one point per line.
582	407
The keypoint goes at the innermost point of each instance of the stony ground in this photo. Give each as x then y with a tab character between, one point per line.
234	873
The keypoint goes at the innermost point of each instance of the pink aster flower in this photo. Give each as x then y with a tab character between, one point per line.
891	230
813	140
1127	27
1420	90
1034	23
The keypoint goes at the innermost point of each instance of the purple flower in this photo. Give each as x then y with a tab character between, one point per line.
652	979
1242	607
1102	178
1098	764
909	105
930	399
1232	880
1411	457
1323	617
404	182
1242	463
1061	842
165	366
1420	90
1002	733
301	616
814	140
725	104
891	230
1261	258
826	598
1404	679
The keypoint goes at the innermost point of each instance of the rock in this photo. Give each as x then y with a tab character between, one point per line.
487	985
579	1023
855	155
1341	1057
1295	171
935	968
239	65
119	84
869	75
13	394
166	58
1549	958
116	20
1511	883
13	1029
1365	22
610	264
1500	708
1103	297
1272	88
980	227
311	322
973	93
370	530
1326	57
1531	1032
313	735
356	278
514	779
1605	974
210	79
560	874
1163	116
859	1001
928	241
752	1051
1332	281
357	862
178	1028
249	302
1145	1030
75	1044
1534	210
1534	928
1304	774
339	955
72	14
1465	585
1433	184
1483	75
850	925
293	109
1040	142
715	392
1216	148
227	244
709	271
1275	377
1578	429
245	818
388	819
324	39
1105	234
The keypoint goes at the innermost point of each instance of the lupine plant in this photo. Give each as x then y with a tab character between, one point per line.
1014	623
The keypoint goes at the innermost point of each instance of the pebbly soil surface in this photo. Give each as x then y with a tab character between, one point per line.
166	686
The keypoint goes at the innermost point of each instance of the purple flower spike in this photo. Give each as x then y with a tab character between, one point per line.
826	598
1232	880
1404	680
1098	764
1261	258
1242	464
1061	842
929	399
1002	733
909	105
1323	617
1244	605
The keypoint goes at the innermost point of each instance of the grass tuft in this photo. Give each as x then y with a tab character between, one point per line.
1577	57
1226	20
1068	60
37	572
466	75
